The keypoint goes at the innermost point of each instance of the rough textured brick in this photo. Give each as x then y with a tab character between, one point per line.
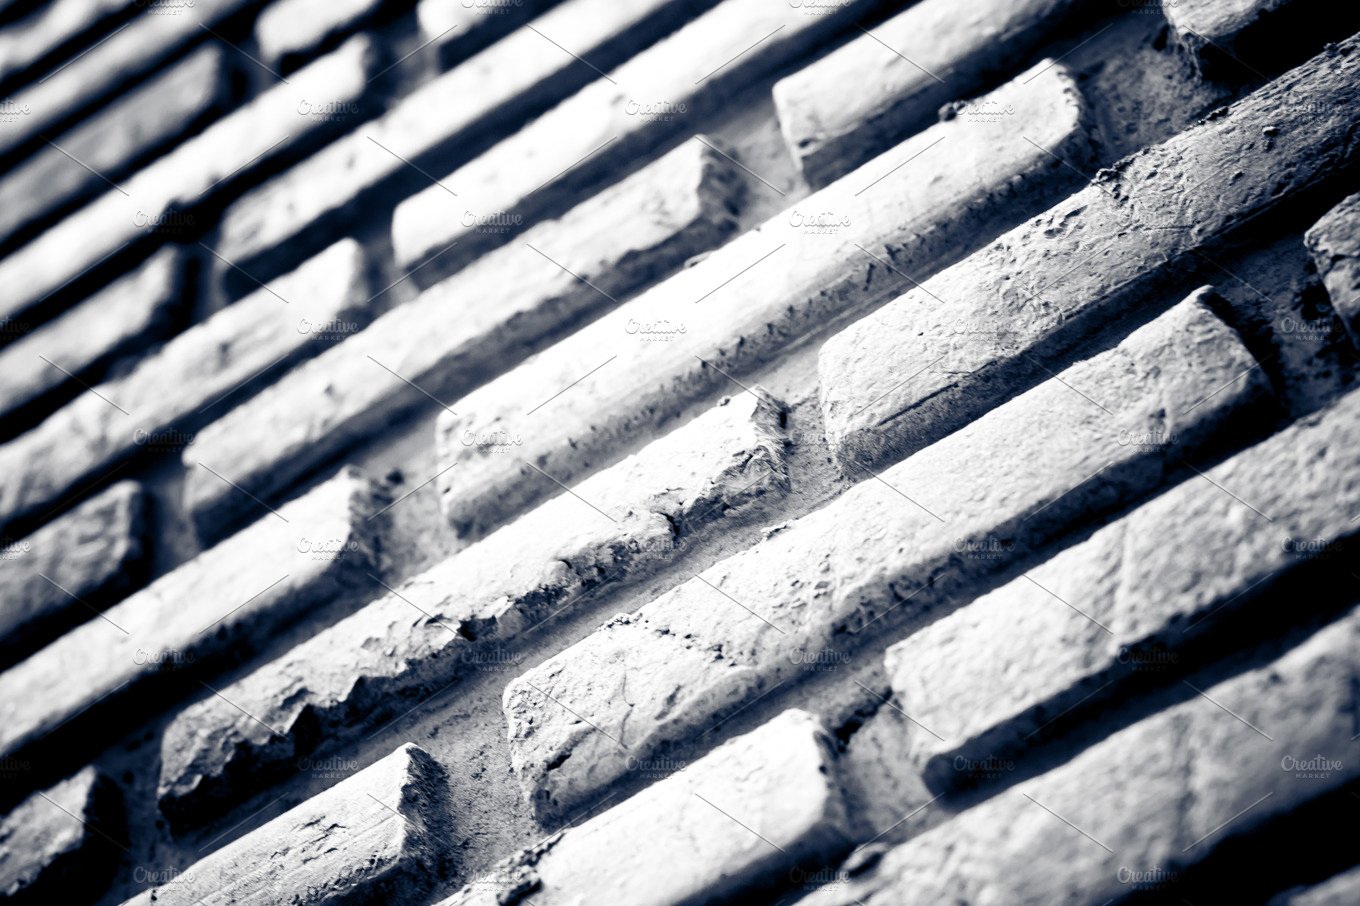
1334	242
159	198
521	72
71	568
991	675
443	342
228	355
895	545
863	97
1240	32
117	60
34	37
613	121
380	836
221	604
1155	797
60	845
82	161
1341	890
743	816
739	310
134	311
974	332
478	601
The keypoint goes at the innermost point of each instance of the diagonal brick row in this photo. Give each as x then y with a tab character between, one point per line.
1336	891
923	534
271	226
379	836
219	606
43	32
229	355
904	71
160	199
1086	628
61	844
1049	284
1140	807
439	345
72	568
844	249
739	819
614	121
467	613
1334	242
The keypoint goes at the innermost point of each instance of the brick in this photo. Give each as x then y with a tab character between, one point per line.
1004	486
160	199
225	357
289	28
902	73
739	310
219	606
81	162
740	818
1334	242
1340	890
71	568
142	46
42	33
453	30
1230	35
1153	798
476	603
364	169
132	312
998	319
613	121
562	271
1139	596
61	845
380	836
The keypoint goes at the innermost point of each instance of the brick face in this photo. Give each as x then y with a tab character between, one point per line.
732	451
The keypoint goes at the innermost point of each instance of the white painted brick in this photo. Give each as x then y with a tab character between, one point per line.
929	198
614	120
59	845
1087	625
745	815
860	99
448	339
288	27
1155	797
231	353
222	603
160	198
1334	242
995	321
892	547
380	836
30	39
467	612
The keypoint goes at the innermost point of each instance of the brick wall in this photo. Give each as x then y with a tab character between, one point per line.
645	451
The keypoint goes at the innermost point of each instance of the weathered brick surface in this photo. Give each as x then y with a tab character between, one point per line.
1230	35
1340	890
222	604
159	199
1153	798
1129	602
1334	242
47	28
230	354
115	61
863	97
741	817
918	535
135	310
528	72
71	568
60	845
82	162
443	342
380	836
614	120
928	198
974	332
461	614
